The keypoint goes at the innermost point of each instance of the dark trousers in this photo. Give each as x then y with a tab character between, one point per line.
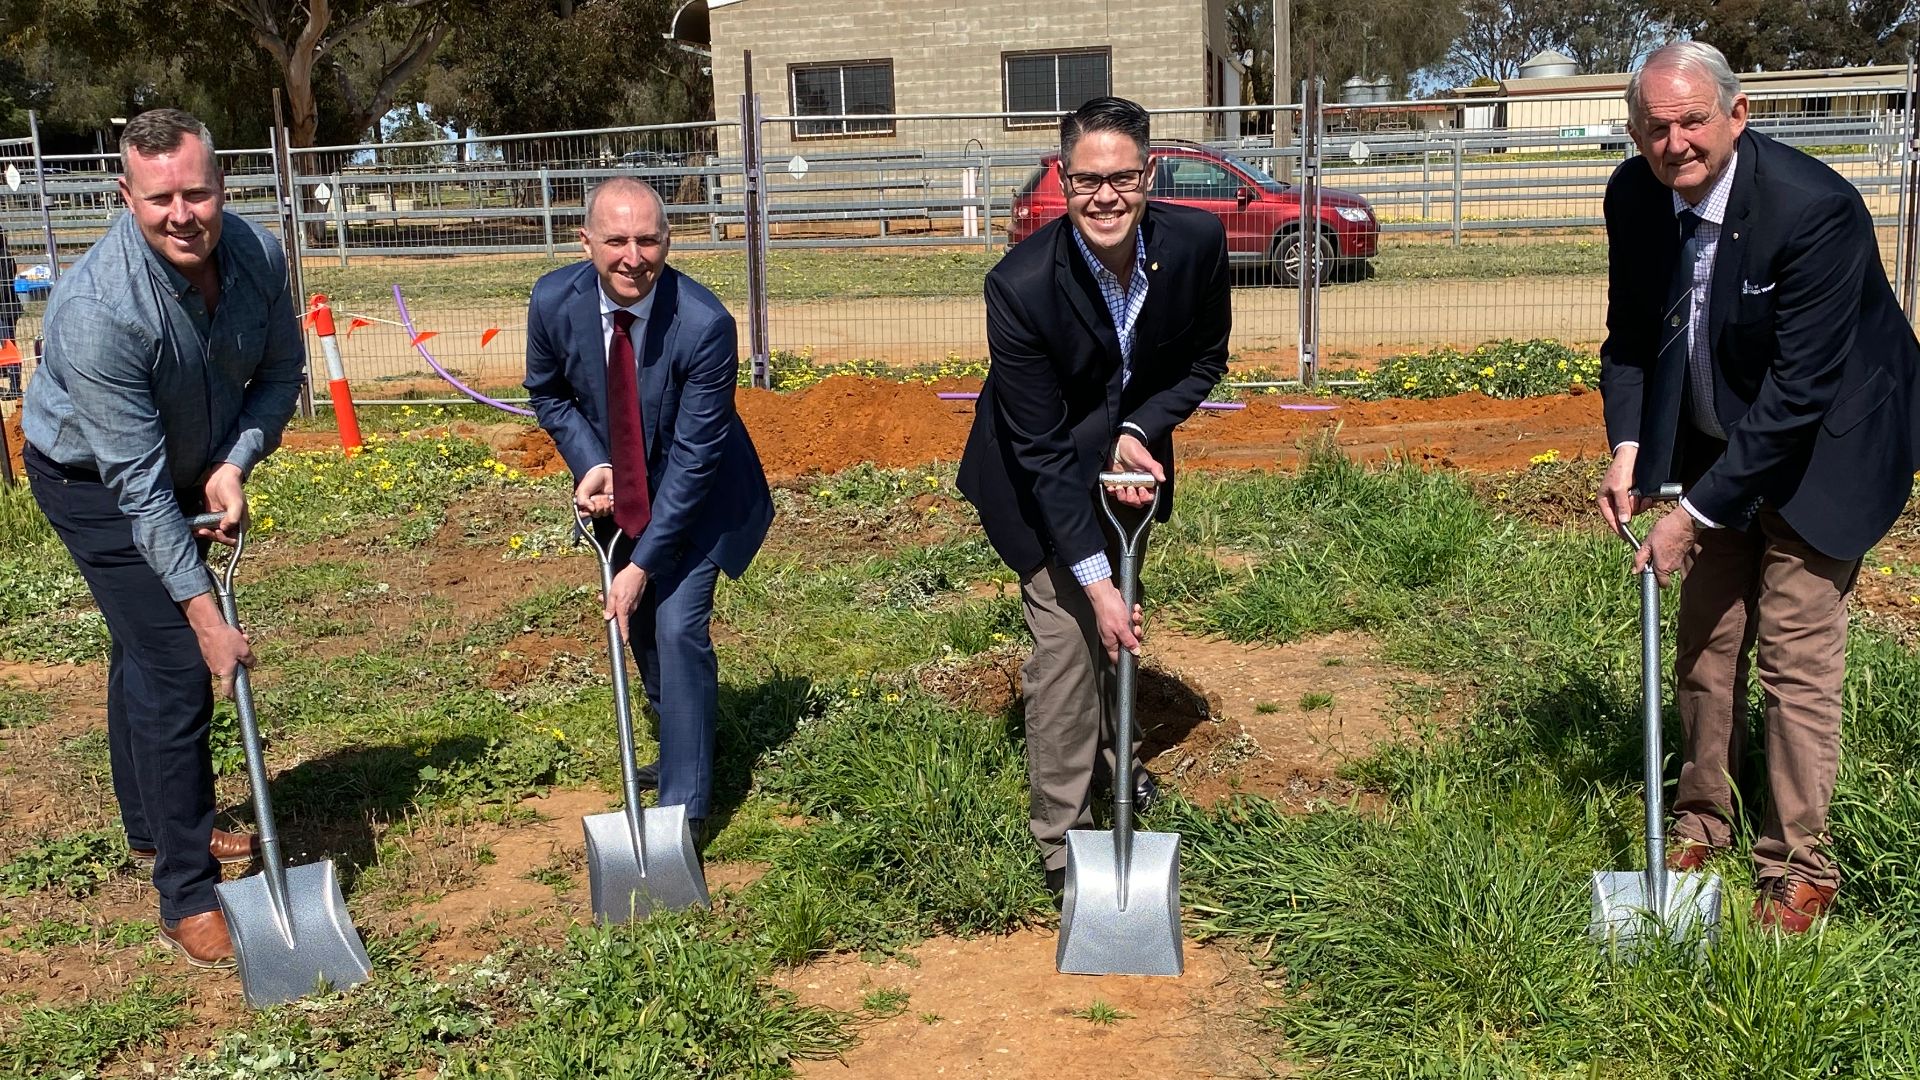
668	635
159	691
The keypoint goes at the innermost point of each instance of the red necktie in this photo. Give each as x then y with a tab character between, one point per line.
632	504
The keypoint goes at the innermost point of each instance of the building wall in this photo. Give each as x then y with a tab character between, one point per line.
947	58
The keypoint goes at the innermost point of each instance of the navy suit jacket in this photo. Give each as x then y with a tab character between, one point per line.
1814	366
709	492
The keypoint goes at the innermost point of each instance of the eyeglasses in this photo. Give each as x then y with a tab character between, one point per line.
1086	183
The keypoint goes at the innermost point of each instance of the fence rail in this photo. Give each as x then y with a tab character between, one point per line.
1483	216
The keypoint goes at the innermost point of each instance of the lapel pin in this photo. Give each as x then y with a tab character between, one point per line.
1736	236
1153	266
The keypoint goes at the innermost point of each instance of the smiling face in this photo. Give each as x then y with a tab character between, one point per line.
175	197
1685	135
626	237
1107	218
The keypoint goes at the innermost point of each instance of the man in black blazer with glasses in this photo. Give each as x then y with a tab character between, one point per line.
1105	329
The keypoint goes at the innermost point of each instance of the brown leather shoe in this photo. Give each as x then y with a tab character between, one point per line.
1790	904
202	939
1685	856
229	848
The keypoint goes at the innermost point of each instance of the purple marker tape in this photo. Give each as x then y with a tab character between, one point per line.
406	320
957	395
1223	406
1308	408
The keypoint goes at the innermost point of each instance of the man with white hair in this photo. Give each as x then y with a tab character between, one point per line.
1755	355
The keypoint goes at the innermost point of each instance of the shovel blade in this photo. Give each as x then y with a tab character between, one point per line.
625	889
1097	935
1624	915
324	951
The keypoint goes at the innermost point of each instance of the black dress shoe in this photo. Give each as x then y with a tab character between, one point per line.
1146	794
648	776
1057	884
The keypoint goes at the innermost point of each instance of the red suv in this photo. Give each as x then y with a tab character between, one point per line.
1262	214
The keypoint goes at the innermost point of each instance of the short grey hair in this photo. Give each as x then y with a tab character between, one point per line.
159	131
1691	57
618	184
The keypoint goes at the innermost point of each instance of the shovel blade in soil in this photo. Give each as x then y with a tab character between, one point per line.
1624	917
1097	935
624	890
325	952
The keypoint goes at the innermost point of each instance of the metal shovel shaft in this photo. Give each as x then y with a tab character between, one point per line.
1132	543
623	713
1650	722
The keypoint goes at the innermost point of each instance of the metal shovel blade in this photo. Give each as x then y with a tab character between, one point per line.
629	886
317	947
1625	912
1100	934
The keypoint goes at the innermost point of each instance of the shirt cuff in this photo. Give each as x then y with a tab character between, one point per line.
1699	518
1623	444
1094	567
184	585
1131	428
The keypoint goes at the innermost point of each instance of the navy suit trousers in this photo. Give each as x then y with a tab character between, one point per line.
668	633
159	691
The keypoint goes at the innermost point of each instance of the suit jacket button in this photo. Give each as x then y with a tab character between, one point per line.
1674	321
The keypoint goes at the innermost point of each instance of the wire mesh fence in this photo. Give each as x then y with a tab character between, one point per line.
1443	223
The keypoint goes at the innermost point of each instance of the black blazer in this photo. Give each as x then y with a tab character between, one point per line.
1813	362
1052	403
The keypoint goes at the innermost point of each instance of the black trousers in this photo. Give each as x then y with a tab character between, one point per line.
159	691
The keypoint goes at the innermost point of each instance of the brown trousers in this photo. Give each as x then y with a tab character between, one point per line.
1763	603
1066	686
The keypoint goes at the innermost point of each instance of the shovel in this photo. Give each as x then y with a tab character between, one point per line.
1120	912
290	928
639	860
1631	908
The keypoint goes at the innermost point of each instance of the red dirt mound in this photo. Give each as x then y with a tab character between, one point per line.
15	442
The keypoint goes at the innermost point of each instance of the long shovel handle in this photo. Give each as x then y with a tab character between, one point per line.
1133	540
622	703
1653	753
271	867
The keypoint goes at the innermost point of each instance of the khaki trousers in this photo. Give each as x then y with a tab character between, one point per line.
1066	686
1762	603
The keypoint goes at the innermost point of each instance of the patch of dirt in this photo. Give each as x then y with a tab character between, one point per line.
845	420
1282	718
995	1007
530	657
31	675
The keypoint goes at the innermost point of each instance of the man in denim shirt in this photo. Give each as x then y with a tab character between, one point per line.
173	361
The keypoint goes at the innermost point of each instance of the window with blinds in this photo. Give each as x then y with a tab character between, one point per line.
845	89
1054	82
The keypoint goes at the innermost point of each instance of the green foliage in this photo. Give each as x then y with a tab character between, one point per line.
75	1040
797	370
320	493
669	997
75	865
1501	369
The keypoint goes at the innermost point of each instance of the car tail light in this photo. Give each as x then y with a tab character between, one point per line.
1022	211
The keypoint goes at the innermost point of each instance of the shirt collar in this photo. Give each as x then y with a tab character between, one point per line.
1713	208
177	282
1099	268
640	308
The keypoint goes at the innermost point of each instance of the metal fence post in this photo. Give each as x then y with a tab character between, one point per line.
986	203
754	217
286	192
1910	194
1308	278
1426	178
339	216
546	208
40	180
1459	166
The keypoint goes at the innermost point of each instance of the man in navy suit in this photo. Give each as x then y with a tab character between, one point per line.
1756	356
631	367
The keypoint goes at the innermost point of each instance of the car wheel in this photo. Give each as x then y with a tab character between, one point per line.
1289	247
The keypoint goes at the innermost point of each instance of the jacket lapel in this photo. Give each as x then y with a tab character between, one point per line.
655	363
1147	331
1735	237
589	344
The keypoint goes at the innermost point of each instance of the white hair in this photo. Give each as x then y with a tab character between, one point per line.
1695	57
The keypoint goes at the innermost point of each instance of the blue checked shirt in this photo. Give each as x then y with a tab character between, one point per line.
1123	304
140	384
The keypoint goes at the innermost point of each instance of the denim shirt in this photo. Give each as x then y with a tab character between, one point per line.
138	384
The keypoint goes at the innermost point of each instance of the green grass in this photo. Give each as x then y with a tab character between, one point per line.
1438	929
75	1040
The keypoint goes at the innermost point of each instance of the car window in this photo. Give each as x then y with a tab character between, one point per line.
1194	178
